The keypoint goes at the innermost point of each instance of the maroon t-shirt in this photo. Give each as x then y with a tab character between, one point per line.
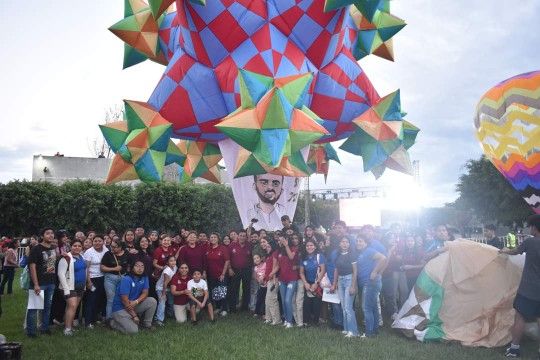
194	257
215	260
240	255
270	264
181	284
161	255
286	271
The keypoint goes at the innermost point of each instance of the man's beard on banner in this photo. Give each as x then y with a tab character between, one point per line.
266	200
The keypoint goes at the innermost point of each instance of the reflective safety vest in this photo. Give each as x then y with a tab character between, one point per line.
511	241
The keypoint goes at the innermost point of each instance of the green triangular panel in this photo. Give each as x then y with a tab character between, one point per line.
250	167
296	90
114	137
132	118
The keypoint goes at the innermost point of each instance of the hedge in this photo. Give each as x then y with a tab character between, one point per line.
27	207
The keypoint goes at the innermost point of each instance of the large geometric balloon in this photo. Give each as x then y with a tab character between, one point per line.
508	127
275	76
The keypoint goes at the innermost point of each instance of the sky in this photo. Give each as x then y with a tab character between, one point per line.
61	69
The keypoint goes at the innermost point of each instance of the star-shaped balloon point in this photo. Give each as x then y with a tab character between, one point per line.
375	35
319	158
382	137
139	30
202	160
272	123
141	144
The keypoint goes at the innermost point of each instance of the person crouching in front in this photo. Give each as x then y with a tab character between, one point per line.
198	295
132	308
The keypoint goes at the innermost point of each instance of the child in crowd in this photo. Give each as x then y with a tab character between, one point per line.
165	298
259	269
198	295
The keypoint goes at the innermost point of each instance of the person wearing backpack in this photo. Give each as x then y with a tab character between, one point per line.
72	281
312	270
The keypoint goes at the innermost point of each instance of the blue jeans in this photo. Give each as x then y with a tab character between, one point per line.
162	304
347	302
31	315
370	294
287	291
111	283
337	314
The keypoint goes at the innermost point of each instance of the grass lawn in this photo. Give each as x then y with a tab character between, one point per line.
233	337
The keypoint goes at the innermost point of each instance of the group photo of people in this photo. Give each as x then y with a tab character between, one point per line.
137	279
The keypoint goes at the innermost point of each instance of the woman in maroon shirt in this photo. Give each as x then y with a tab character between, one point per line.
193	255
161	254
412	261
287	262
271	304
217	262
179	291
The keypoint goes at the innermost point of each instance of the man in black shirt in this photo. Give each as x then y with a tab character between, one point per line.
527	301
42	266
491	237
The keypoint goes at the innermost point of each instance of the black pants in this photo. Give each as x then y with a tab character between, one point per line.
260	305
95	301
312	309
241	276
7	278
58	307
220	304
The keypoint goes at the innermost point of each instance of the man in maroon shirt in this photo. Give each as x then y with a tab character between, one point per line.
240	272
193	255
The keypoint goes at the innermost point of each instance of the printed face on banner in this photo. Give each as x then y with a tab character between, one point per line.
261	198
268	187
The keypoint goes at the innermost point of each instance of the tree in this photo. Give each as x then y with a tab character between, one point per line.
486	192
98	145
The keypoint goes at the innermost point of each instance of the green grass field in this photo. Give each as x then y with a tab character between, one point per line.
233	337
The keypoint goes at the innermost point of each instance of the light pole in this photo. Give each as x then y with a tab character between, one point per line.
307	199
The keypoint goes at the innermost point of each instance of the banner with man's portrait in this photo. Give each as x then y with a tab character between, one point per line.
264	198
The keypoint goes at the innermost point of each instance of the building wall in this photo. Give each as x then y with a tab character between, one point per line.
59	169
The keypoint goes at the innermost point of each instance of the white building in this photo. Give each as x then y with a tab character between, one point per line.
59	169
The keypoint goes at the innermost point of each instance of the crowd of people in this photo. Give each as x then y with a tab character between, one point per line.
141	279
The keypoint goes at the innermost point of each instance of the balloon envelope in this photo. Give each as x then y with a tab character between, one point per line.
508	127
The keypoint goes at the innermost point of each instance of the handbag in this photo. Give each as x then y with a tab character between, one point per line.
25	278
219	292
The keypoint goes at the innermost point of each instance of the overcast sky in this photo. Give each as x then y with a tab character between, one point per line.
61	69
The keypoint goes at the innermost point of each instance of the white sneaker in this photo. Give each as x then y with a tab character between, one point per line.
90	327
285	323
267	321
276	323
300	325
288	326
223	313
68	332
350	335
344	332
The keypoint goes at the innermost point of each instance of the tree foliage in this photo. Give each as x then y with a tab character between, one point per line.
27	207
483	190
322	212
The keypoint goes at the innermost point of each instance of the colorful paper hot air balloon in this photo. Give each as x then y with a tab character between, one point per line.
508	127
261	81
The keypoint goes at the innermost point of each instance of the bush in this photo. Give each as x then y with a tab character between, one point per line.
83	205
